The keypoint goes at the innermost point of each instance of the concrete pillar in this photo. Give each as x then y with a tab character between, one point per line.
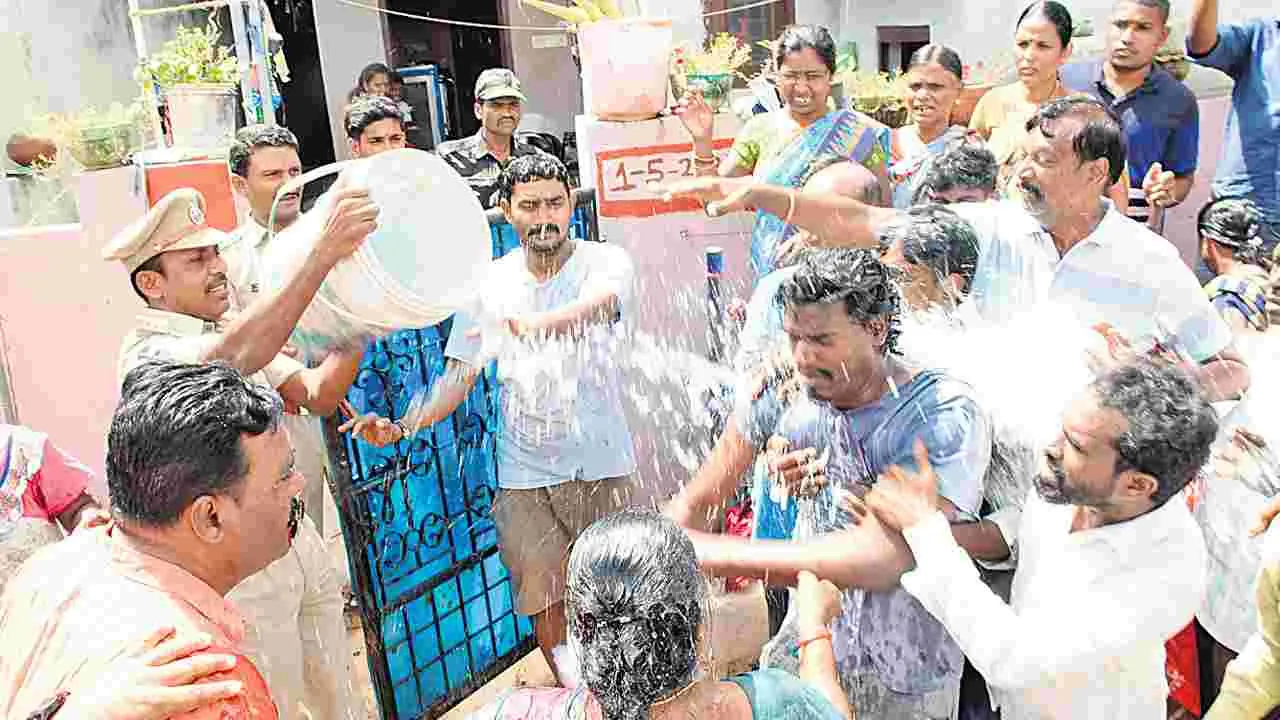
349	38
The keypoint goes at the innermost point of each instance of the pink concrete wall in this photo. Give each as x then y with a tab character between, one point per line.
64	311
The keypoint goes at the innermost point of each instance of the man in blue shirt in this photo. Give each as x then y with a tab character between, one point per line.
1160	117
1250	54
863	411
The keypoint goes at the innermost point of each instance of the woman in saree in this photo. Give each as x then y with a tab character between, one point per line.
934	79
1042	43
780	147
638	606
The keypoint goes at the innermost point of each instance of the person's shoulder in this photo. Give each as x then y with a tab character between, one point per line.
1171	88
453	147
1080	76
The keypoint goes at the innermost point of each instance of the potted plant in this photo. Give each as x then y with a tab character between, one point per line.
879	95
711	70
197	78
97	139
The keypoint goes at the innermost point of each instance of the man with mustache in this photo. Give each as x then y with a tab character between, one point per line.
1062	242
172	257
202	479
262	159
550	311
864	407
1110	563
481	158
1160	116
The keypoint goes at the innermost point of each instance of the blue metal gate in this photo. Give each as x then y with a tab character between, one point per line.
435	599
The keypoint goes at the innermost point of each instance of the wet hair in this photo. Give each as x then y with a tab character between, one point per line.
636	602
962	164
254	137
1160	5
1171	425
942	55
1056	13
367	110
370	71
530	168
1233	223
1100	135
798	38
855	277
937	238
176	436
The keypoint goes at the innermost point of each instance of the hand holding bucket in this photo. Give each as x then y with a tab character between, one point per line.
426	248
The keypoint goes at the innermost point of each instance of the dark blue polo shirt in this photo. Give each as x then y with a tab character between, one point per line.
1161	118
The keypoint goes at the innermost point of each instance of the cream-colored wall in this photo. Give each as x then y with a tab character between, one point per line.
349	38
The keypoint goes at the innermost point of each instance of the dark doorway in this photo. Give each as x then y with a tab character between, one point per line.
305	110
461	52
897	43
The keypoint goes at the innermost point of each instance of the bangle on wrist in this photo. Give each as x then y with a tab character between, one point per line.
791	207
823	634
404	429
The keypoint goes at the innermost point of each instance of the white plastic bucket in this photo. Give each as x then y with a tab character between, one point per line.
424	261
202	116
625	67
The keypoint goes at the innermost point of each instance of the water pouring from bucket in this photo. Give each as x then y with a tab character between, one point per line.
420	265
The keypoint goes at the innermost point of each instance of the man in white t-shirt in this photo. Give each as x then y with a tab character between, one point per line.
1062	242
550	312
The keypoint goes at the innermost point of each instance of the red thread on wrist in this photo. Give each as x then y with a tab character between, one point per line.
823	634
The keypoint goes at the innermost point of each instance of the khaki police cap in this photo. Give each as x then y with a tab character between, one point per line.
176	222
498	83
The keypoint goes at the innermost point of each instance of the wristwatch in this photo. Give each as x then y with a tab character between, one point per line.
50	707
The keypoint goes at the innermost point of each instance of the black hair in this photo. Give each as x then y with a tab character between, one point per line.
176	436
855	277
1161	5
635	600
1233	223
369	72
395	78
937	238
151	265
1100	136
528	168
1056	13
367	110
942	55
962	164
251	138
798	38
1171	426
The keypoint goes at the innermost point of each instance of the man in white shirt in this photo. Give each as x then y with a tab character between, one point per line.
1061	243
549	311
1110	563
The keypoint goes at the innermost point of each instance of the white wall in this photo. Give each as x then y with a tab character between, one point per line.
349	39
549	75
978	31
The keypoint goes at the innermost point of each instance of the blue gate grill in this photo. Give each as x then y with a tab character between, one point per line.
435	599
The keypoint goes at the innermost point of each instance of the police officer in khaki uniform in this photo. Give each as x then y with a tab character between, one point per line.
295	635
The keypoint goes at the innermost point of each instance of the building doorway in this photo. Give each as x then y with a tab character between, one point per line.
897	44
462	53
305	110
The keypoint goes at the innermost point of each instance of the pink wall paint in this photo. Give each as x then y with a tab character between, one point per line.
65	311
1180	222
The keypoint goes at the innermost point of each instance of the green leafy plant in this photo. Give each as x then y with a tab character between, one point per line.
725	54
192	57
879	95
